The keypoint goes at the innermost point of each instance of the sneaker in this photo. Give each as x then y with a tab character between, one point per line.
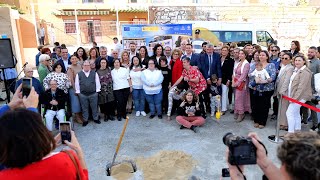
160	116
313	128
194	128
212	114
97	121
138	113
143	113
182	127
152	116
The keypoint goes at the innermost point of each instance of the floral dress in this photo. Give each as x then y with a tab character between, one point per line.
62	79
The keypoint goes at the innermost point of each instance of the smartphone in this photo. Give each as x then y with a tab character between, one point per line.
26	86
225	172
65	131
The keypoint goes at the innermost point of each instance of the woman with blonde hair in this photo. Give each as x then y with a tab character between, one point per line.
125	61
299	89
176	65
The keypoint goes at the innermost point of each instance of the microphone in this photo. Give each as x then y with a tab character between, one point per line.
25	64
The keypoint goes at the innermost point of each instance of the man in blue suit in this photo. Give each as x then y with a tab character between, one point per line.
210	64
103	54
194	57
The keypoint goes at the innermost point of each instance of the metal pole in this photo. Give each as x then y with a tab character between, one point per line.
35	23
77	27
275	138
117	24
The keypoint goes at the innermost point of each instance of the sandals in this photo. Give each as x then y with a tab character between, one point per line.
256	125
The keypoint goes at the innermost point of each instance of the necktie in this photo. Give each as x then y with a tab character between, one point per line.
210	63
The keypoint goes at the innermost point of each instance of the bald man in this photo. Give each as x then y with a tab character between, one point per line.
28	71
183	46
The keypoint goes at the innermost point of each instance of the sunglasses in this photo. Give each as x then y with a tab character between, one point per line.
273	50
285	58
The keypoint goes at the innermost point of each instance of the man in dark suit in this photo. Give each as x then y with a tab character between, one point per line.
194	57
210	64
133	50
64	60
104	54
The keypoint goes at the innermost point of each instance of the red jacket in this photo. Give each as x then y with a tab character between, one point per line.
176	70
57	166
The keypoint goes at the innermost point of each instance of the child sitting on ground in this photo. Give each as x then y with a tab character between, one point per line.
214	94
260	77
175	97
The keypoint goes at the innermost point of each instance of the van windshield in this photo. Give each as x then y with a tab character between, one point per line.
240	37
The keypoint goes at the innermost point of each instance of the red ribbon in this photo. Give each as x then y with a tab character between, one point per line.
302	104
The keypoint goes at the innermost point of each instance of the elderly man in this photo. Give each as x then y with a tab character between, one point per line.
54	100
183	46
87	85
28	72
64	61
167	53
44	68
103	54
115	54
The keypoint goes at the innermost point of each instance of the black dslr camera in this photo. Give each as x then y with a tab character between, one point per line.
241	150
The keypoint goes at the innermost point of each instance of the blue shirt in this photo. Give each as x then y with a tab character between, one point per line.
270	68
10	73
35	83
37	59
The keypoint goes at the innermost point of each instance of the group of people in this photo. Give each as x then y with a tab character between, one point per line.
179	81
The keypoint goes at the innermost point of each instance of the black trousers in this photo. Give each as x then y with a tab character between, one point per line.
165	92
261	105
107	108
121	98
275	105
305	112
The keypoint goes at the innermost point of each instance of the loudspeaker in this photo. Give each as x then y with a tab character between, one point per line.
6	54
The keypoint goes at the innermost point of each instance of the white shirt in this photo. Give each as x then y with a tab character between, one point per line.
77	84
120	78
131	54
42	32
66	64
136	79
263	74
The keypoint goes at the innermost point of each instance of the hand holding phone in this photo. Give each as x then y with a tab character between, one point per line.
65	131
26	86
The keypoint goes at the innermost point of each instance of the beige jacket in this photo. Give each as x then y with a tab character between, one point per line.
283	80
301	85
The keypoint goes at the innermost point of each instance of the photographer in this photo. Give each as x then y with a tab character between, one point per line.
26	146
299	155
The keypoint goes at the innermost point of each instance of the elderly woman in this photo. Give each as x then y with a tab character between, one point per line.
299	89
73	70
121	88
282	84
61	78
152	79
240	83
264	91
105	97
27	150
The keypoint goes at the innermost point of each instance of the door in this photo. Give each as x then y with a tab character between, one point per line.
90	31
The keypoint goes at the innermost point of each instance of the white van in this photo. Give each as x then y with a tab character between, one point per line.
227	32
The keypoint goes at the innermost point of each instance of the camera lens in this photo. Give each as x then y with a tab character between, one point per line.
227	137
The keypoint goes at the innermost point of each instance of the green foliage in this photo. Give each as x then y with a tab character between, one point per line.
12	7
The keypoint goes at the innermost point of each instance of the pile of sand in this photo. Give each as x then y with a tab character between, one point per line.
166	165
122	171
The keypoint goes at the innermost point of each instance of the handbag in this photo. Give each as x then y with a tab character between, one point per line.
74	163
242	84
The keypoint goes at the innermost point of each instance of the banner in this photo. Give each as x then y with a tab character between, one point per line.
151	34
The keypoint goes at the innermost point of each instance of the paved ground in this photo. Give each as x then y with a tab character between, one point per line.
145	137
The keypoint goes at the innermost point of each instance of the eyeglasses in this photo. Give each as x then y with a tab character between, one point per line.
29	71
285	58
48	60
274	50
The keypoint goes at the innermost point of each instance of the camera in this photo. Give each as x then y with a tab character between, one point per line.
241	150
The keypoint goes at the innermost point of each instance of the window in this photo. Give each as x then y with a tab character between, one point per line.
133	1
240	37
92	1
264	38
139	21
70	27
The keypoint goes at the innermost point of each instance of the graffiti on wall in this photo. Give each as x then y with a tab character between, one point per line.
167	15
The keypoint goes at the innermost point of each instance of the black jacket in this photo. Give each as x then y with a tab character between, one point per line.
227	70
59	96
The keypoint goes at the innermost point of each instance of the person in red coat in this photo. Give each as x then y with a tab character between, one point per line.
26	148
176	65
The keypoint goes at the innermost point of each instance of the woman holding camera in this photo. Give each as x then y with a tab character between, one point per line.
26	146
189	112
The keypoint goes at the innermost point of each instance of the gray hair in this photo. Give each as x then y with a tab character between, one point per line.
86	61
210	45
44	57
103	47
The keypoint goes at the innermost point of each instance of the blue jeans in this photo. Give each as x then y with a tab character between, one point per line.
155	103
138	99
